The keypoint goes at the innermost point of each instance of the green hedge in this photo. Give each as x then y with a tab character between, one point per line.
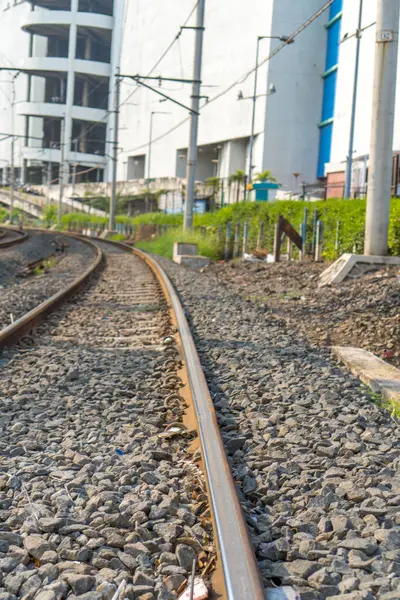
349	213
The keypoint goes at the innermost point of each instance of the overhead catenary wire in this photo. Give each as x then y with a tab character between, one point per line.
164	54
244	77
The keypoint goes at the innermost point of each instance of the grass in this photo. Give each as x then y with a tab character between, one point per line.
347	217
163	245
45	265
391	405
117	237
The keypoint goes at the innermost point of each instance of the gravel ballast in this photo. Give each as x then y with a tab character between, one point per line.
95	488
362	312
316	461
20	295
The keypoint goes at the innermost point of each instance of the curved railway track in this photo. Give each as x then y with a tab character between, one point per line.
9	237
136	481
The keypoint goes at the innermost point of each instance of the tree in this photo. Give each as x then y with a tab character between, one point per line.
238	178
215	184
265	176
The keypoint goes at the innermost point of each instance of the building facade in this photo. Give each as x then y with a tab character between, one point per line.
335	167
68	52
287	122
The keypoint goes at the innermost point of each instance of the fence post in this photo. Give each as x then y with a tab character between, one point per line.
319	241
315	220
260	235
304	233
227	252
237	240
277	242
337	237
289	249
303	230
245	238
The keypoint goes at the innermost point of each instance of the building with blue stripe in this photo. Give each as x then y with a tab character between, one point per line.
330	81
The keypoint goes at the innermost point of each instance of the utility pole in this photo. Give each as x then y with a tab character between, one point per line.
253	118
49	169
12	174
113	199
384	92
75	142
62	168
347	187
194	119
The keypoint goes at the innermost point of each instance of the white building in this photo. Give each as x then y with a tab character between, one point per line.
69	50
287	132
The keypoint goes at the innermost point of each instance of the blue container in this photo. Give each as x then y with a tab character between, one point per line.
262	188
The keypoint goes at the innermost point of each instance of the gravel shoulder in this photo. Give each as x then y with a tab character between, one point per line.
18	296
362	312
316	461
94	487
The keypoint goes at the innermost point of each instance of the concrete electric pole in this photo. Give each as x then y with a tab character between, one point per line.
12	166
113	199
61	172
194	122
384	92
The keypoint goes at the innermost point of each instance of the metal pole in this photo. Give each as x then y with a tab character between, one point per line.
384	92
253	118
113	199
49	178
74	168
62	168
149	164
194	119
227	251
277	242
260	235
337	237
12	179
245	238
347	188
236	241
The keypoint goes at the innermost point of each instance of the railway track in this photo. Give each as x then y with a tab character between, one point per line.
9	237
113	476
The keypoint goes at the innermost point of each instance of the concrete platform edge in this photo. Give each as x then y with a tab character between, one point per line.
380	376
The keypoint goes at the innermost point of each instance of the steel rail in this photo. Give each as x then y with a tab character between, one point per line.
6	243
239	565
14	332
241	575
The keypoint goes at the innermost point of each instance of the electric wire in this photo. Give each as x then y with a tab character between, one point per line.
243	78
164	54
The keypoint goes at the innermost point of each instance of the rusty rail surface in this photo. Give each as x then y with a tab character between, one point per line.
239	567
242	579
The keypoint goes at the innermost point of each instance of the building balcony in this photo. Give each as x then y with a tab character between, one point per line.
56	110
53	155
105	7
53	22
49	66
